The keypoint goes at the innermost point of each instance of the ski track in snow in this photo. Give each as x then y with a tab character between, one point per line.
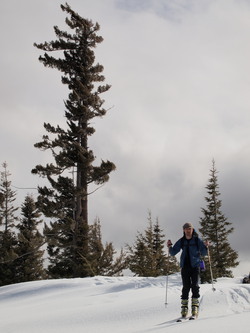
119	304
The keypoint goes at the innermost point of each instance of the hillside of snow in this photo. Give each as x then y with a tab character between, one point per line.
120	304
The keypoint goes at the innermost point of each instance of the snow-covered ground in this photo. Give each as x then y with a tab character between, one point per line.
120	304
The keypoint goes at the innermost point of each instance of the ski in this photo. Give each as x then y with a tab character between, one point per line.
182	319
193	318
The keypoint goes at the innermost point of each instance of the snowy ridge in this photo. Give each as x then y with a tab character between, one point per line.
119	304
226	300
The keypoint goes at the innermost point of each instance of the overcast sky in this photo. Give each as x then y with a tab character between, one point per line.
180	76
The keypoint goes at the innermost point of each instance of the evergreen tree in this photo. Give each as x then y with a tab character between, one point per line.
147	257
7	209
29	264
216	228
8	220
66	200
170	265
102	258
137	256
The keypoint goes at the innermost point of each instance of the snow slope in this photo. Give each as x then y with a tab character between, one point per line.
120	304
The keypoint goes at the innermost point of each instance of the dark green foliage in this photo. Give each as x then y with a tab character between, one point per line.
137	257
29	263
216	228
147	257
66	246
66	200
101	258
7	257
8	220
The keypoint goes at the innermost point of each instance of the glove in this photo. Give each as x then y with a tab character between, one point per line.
169	243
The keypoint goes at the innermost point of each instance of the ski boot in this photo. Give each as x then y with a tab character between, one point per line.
184	308
195	307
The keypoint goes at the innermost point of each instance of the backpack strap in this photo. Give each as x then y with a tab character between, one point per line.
195	238
182	242
196	242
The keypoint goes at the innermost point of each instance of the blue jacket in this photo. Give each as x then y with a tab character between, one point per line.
194	251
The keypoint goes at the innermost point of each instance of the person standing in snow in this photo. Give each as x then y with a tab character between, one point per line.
192	248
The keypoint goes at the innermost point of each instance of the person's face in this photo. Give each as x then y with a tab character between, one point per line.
188	232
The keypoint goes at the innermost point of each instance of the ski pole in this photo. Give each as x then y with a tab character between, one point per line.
166	296
211	272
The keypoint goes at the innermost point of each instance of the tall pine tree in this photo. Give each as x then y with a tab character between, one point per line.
216	228
66	199
8	220
29	264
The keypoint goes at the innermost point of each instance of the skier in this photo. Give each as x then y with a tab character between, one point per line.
192	248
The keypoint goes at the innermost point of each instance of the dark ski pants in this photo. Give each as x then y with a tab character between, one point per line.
190	280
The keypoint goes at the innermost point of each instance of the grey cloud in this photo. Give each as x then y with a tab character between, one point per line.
179	97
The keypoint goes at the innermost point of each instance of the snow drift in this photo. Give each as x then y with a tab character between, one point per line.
120	304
